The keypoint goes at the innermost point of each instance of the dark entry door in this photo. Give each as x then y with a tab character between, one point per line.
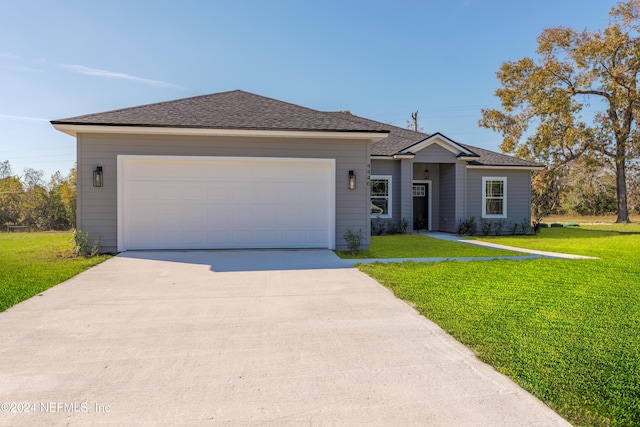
420	207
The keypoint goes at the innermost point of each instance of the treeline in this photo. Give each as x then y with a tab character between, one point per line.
583	188
29	200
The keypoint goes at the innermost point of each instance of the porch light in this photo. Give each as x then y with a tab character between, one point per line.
426	174
352	181
97	177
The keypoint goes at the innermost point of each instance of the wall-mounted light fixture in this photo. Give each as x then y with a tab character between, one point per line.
426	174
352	181
97	177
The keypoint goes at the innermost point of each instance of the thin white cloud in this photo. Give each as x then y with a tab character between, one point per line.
9	55
11	117
81	69
21	68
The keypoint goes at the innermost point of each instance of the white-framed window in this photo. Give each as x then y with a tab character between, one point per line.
381	190
494	197
419	190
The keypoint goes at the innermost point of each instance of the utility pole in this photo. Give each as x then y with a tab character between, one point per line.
414	116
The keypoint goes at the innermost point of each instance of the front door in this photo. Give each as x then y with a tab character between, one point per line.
420	206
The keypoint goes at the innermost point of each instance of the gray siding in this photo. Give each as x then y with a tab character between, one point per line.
461	191
518	193
406	192
447	190
435	154
97	207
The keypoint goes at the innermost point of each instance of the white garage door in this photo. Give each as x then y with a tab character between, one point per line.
221	203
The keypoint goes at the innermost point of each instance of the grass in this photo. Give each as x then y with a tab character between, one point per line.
417	246
568	331
33	262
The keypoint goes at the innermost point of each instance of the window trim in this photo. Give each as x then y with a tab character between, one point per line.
484	196
389	179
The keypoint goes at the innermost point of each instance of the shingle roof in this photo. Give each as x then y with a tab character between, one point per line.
226	110
491	158
246	111
398	138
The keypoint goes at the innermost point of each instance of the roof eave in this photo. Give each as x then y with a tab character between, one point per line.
506	167
74	129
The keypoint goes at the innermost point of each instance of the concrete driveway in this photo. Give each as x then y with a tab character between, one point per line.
241	337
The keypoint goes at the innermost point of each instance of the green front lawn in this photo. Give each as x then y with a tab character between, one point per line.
568	331
417	246
33	262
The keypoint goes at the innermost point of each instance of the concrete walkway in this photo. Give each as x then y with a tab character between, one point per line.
533	253
529	253
241	338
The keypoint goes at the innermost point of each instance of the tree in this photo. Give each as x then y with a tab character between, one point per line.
590	189
5	169
10	199
575	70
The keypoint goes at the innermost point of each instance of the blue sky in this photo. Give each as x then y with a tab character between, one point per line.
380	59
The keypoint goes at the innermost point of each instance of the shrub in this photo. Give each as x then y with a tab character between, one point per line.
378	227
485	226
354	240
468	227
513	229
498	226
83	246
381	227
404	225
525	226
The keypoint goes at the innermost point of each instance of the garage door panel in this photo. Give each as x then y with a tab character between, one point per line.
293	237
163	213
219	215
269	173
195	191
219	192
187	203
316	236
194	216
219	238
192	237
242	217
268	216
243	192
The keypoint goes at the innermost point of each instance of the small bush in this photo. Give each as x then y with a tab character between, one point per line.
513	229
381	227
404	225
525	226
421	223
354	240
485	226
498	226
378	227
468	227
83	246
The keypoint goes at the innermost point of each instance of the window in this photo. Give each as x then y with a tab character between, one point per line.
419	191
381	196
494	197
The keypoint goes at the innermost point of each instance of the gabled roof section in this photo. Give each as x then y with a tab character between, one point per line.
449	144
226	110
